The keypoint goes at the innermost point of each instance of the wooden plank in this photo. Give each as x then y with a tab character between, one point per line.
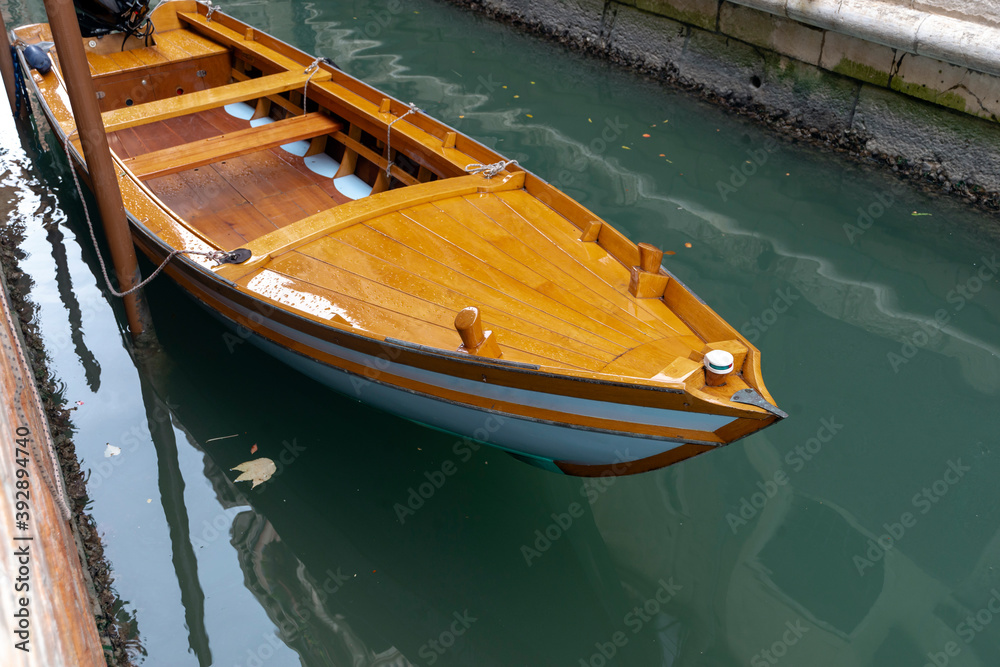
412	281
143	114
509	296
164	17
354	212
526	267
231	145
216	31
40	556
405	301
484	267
558	230
574	261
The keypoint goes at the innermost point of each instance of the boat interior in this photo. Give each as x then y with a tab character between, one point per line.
215	123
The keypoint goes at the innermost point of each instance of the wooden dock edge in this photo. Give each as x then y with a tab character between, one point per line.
40	561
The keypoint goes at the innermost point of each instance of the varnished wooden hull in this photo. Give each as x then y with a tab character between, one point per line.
589	400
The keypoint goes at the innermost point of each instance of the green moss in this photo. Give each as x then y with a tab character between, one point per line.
920	91
665	8
863	72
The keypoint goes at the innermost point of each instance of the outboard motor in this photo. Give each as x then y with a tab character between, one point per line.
101	17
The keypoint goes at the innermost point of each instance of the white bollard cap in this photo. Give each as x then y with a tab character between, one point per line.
719	362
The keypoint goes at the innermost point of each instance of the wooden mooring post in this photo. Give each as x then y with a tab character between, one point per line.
7	66
87	114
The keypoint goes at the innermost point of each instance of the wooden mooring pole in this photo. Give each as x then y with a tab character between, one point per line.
87	114
7	66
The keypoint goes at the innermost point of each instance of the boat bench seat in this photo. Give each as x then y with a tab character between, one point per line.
211	98
231	145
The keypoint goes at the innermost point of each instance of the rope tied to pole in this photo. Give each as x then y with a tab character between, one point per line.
218	256
388	139
311	71
211	10
489	170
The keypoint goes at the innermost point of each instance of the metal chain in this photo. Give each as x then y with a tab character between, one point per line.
388	140
216	255
489	170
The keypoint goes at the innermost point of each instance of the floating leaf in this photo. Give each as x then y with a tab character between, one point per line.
915	213
687	245
253	450
111	450
258	471
645	136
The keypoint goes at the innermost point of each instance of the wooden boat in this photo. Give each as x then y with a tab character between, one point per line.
485	304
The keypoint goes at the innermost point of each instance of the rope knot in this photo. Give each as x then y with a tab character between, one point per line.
489	170
388	139
211	10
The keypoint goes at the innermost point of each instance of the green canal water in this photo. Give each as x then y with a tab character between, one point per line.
863	530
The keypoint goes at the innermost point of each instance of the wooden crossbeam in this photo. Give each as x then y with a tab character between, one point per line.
211	98
331	220
240	41
372	156
230	145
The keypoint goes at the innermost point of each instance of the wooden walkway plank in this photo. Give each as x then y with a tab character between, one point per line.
41	552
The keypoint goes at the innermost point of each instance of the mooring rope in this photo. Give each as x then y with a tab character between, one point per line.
388	140
311	71
489	170
211	10
218	256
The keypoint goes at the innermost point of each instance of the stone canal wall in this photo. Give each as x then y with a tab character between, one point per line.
915	81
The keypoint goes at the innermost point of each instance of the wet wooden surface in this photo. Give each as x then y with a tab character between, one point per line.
40	567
